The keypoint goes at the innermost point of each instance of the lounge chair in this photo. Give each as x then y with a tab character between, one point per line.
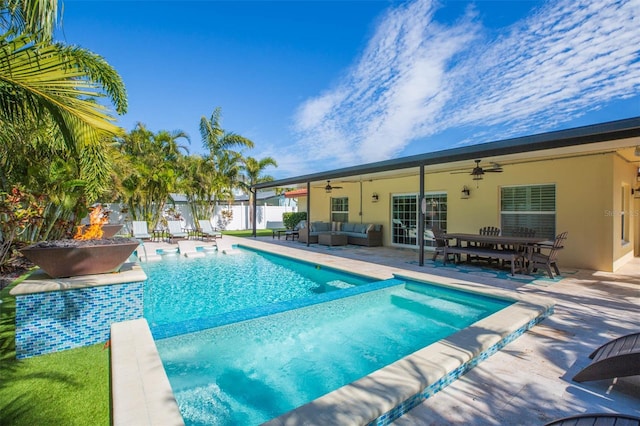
174	230
618	358
548	261
206	230
598	419
140	230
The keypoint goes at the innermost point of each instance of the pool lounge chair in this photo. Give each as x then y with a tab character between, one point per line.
174	230
207	231
140	230
597	419
618	358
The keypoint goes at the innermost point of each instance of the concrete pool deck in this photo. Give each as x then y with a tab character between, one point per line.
529	380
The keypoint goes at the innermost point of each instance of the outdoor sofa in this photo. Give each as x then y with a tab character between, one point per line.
362	234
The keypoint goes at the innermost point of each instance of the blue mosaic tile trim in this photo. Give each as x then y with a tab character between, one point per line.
413	401
58	320
163	331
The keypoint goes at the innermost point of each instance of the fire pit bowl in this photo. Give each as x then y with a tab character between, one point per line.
67	258
110	230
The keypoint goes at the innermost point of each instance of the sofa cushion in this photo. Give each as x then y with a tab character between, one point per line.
360	227
336	226
348	227
320	226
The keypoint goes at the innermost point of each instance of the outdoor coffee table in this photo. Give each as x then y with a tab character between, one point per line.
332	239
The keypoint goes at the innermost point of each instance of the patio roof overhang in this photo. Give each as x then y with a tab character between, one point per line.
620	136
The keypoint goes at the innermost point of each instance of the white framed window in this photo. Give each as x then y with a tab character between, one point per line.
340	209
528	206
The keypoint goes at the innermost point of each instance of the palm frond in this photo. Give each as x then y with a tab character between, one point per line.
39	77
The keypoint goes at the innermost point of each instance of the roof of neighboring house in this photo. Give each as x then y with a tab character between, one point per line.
302	192
602	137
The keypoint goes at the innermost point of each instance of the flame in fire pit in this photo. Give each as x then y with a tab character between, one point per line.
94	231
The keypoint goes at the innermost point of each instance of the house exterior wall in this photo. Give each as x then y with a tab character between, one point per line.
589	191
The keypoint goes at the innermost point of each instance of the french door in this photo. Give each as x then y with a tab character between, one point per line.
404	217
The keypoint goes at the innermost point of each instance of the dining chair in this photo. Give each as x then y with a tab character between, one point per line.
486	230
441	246
548	261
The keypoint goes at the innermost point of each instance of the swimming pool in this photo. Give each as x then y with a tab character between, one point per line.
198	293
251	372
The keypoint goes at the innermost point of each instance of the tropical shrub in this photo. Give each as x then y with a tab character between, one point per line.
18	211
291	219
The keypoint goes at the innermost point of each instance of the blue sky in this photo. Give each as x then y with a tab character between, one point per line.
320	85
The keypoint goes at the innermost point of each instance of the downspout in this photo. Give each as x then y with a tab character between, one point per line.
421	213
361	212
308	212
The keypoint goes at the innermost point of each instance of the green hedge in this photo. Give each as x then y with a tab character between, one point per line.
291	219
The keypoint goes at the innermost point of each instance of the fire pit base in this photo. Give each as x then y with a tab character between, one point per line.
67	258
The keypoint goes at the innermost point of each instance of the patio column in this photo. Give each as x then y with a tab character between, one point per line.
254	207
308	212
421	213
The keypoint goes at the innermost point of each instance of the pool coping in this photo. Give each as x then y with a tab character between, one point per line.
39	282
411	379
375	397
140	390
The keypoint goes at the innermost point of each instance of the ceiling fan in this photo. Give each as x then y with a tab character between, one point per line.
477	172
328	187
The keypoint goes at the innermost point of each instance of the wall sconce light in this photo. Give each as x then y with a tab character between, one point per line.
637	151
374	197
465	193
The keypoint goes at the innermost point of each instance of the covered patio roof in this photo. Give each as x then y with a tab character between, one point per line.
621	136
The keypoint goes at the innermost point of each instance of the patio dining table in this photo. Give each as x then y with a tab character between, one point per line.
500	246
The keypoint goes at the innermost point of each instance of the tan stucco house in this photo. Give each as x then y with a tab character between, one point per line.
583	180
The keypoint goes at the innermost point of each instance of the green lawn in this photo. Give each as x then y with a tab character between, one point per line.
65	388
249	233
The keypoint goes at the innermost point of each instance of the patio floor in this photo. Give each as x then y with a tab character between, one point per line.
529	381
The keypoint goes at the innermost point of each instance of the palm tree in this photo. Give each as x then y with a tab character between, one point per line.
155	160
217	140
223	160
253	175
41	81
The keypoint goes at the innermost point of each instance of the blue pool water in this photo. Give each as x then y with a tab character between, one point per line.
181	289
250	372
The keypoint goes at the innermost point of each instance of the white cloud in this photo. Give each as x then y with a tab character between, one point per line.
418	77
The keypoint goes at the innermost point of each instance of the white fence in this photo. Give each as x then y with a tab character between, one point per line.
240	218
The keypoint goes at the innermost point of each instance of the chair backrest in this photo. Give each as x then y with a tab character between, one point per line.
205	225
140	227
438	235
490	230
558	245
175	226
